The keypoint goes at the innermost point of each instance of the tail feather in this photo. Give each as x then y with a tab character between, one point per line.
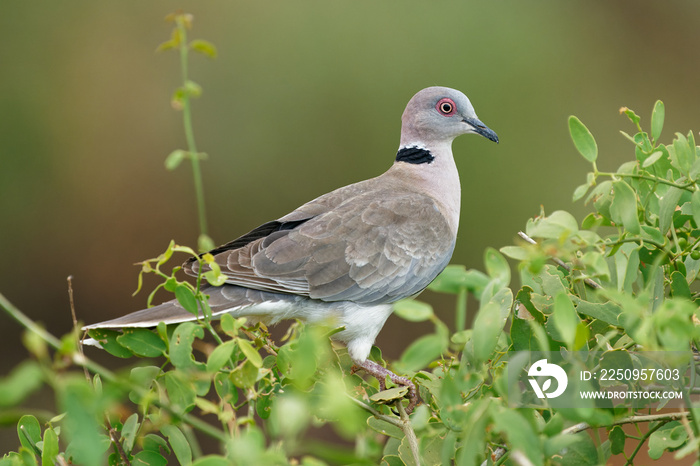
170	312
223	299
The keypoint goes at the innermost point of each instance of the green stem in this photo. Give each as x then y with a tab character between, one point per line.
639	239
28	323
641	442
686	186
189	132
461	317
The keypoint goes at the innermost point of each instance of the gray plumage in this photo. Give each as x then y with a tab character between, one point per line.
349	254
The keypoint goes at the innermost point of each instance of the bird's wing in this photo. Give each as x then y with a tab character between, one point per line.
376	245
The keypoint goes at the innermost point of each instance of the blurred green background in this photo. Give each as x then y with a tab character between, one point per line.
305	97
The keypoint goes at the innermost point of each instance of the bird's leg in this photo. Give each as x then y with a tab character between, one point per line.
380	373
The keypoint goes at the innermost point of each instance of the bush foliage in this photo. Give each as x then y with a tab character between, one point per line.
623	278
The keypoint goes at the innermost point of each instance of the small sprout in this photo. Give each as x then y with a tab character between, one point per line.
174	159
204	47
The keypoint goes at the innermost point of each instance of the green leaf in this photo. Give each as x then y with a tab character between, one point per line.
652	159
142	342
595	264
153	442
174	159
583	139
634	118
390	395
181	391
682	155
515	252
489	322
392	460
129	431
695	207
215	278
617	440
185	296
24	379
220	356
455	277
613	360
679	286
520	434
230	325
179	443
144	376
84	407
624	207
204	47
422	352
193	89
607	312
250	352
580	191
653	234
412	310
579	452
174	42
522	336
181	345
496	266
667	207
50	449
385	428
149	458
245	375
108	341
668	437
565	319
205	243
657	120
29	432
177	101
555	226
290	415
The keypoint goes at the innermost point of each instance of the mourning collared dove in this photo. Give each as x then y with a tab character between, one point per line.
348	255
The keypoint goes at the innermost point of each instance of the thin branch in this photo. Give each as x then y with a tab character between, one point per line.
580	427
28	323
383	417
404	423
253	337
75	321
686	186
189	134
500	452
117	444
630	460
409	432
561	263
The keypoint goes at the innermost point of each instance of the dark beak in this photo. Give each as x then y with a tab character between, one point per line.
482	129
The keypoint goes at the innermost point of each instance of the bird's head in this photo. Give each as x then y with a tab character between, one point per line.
437	115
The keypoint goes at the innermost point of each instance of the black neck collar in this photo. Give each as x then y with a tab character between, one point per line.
415	155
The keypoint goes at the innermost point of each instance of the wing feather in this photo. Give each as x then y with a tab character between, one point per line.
368	247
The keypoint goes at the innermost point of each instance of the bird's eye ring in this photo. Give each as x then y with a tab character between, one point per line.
446	107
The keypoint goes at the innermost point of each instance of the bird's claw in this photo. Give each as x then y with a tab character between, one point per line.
381	373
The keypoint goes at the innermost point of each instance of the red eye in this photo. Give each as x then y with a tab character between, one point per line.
446	107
